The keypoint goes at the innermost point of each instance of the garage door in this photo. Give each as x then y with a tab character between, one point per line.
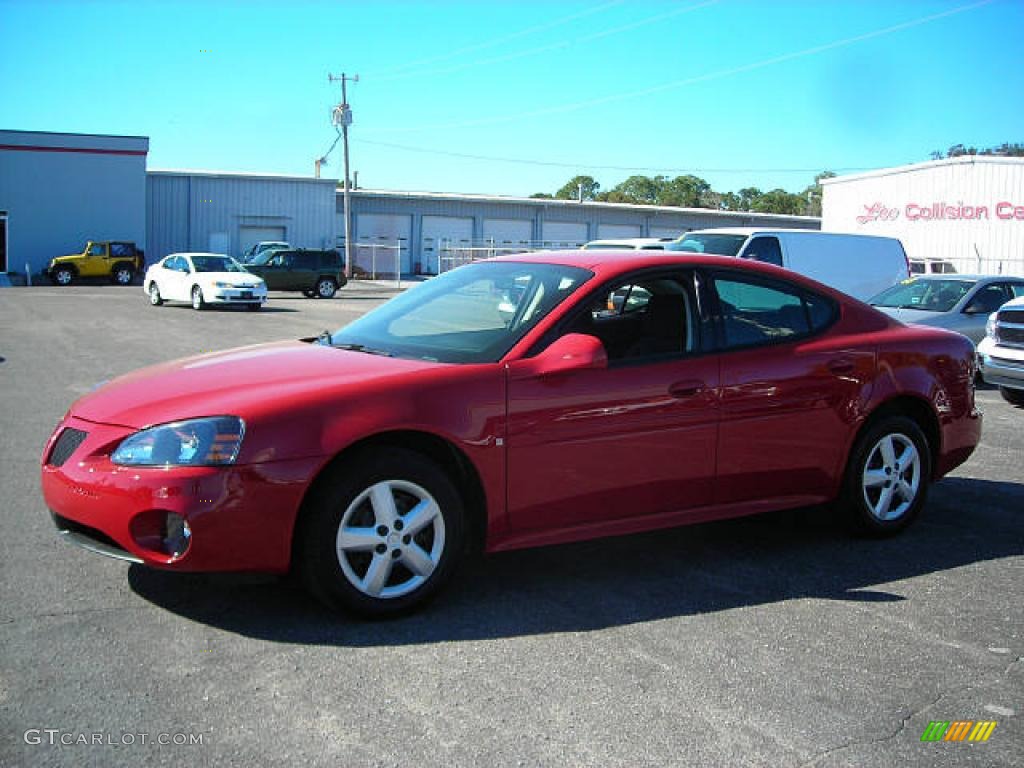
508	235
381	240
441	233
609	231
672	232
564	234
249	236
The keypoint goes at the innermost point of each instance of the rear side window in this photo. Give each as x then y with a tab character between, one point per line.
305	261
764	249
755	312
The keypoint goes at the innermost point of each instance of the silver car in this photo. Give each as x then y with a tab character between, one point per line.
960	303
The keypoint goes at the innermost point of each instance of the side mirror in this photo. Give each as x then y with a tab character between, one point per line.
572	352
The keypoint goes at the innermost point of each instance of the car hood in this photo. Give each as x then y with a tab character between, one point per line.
919	316
235	278
243	382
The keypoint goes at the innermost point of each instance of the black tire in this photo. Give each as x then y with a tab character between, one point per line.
154	294
309	293
122	274
198	302
325	288
63	276
1012	396
348	496
254	307
872	478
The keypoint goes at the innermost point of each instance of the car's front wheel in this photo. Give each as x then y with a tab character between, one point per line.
1012	396
63	276
198	302
887	476
382	533
326	288
154	295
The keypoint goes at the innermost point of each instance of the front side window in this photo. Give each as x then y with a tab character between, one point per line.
755	313
473	314
216	264
764	249
96	250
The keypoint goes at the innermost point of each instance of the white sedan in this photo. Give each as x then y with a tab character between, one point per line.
202	279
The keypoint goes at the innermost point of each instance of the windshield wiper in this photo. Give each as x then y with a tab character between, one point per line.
363	348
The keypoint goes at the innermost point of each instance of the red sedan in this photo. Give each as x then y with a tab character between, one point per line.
514	402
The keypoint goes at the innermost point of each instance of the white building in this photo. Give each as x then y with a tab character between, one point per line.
967	210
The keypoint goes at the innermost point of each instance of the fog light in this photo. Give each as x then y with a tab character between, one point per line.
177	535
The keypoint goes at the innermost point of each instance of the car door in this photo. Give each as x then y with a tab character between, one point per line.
95	263
634	439
178	279
789	391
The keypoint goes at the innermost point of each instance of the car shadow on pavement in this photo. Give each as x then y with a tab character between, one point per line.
613	582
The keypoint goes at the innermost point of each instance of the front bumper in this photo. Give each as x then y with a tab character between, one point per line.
236	296
1000	365
241	517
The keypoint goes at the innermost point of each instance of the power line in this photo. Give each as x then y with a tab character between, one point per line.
383	74
553	46
595	166
814	50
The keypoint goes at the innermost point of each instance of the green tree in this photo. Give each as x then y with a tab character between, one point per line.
639	190
543	196
780	201
571	189
683	191
812	194
747	197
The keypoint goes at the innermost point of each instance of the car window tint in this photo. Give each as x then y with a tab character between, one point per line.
820	310
305	260
753	313
990	298
764	249
1018	290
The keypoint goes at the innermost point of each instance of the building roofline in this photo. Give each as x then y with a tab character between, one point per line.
82	135
592	204
911	167
235	174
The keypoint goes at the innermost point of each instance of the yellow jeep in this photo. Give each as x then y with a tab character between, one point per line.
120	261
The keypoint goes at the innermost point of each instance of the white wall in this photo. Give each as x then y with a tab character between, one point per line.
967	211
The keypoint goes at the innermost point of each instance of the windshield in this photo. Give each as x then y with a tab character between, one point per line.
723	245
473	314
216	264
928	295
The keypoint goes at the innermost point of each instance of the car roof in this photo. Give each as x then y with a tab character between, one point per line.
609	264
961	276
197	253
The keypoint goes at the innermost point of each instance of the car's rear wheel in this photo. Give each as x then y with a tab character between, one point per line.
198	302
382	533
326	288
887	476
123	274
63	276
154	295
1012	396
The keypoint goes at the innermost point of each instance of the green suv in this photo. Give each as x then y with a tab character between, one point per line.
318	274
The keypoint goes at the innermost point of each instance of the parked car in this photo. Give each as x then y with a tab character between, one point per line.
370	460
629	244
859	265
931	267
1001	352
962	303
255	253
118	260
318	274
203	279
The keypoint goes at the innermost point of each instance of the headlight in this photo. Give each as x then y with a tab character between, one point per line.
221	284
990	326
210	441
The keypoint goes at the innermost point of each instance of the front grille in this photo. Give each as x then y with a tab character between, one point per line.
66	445
1014	336
1011	316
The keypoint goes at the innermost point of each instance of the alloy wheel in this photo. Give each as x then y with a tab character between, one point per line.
891	478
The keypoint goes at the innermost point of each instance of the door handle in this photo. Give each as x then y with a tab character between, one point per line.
684	389
841	366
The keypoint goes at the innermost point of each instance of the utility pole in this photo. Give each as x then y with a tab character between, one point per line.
342	115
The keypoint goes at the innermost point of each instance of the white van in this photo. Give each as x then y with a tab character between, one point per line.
858	265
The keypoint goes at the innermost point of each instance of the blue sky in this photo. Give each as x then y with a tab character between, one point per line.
739	92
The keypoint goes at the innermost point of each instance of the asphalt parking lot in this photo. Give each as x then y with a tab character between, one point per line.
776	640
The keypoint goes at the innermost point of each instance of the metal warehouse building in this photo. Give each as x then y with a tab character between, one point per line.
967	210
228	212
58	190
430	231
